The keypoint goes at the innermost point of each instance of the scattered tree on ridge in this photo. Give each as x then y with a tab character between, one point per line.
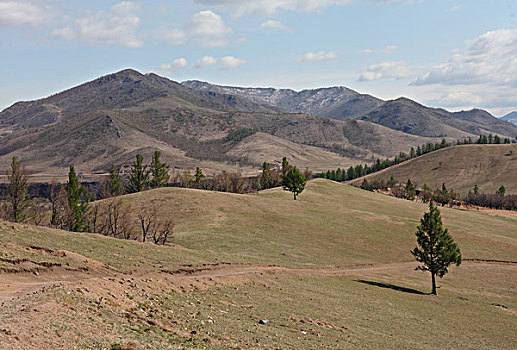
159	172
114	182
294	181
436	249
139	177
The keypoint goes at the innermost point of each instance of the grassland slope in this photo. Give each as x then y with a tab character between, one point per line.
330	270
460	168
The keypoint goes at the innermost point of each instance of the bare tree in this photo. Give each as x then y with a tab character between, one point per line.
162	232
147	218
17	185
113	219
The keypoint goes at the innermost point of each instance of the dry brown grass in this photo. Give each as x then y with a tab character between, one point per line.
460	168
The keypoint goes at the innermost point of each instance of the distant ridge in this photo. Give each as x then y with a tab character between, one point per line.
511	117
411	117
334	102
400	114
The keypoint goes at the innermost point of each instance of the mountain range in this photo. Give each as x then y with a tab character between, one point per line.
511	117
400	114
110	119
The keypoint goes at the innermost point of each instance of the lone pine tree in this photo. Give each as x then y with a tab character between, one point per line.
294	181
436	249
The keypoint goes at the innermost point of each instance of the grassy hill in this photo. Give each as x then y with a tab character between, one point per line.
330	270
460	168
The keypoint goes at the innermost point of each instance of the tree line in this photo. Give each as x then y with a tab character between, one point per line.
70	206
443	195
362	170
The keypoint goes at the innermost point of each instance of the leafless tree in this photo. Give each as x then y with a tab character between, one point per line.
147	218
162	232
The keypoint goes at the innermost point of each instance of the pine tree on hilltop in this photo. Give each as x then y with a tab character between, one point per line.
159	172
436	249
294	181
139	177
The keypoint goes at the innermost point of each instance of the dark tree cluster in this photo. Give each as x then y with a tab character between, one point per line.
409	191
362	170
498	200
491	139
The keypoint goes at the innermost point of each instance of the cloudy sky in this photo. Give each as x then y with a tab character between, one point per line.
456	54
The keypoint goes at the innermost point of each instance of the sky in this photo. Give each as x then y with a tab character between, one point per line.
455	54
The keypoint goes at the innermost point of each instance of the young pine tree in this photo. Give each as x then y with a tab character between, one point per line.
159	172
114	182
294	181
139	177
18	205
78	202
266	179
285	167
410	190
436	249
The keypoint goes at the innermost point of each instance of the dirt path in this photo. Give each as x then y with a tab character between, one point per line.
14	286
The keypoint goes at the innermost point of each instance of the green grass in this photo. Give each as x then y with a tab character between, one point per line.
330	225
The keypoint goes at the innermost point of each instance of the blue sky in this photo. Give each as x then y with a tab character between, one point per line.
443	53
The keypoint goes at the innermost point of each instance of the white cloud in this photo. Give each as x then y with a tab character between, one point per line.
172	37
315	57
274	26
206	61
19	13
171	68
208	29
116	27
387	50
270	7
205	28
456	8
230	62
489	59
385	70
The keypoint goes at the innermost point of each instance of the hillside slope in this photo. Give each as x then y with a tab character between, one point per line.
332	269
112	118
460	168
411	117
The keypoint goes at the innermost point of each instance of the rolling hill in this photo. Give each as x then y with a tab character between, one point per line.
460	168
110	119
330	270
